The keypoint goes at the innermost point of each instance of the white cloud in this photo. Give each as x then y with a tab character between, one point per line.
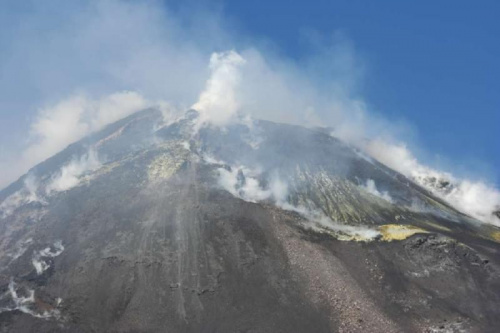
474	198
395	156
27	194
218	102
75	117
98	48
114	45
371	188
39	261
106	46
70	174
114	107
26	304
244	183
56	127
70	120
279	189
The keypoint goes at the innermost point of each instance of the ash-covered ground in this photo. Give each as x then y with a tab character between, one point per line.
150	226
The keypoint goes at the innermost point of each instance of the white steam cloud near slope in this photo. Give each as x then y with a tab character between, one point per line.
75	117
475	198
244	183
69	175
119	56
371	188
20	298
218	103
68	121
471	197
26	195
39	257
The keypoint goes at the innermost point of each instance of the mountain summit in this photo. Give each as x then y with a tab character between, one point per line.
152	225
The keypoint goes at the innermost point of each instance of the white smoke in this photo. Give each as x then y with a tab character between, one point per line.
39	257
23	299
70	174
71	119
371	188
141	46
20	249
244	183
474	198
144	47
75	117
218	102
56	127
27	194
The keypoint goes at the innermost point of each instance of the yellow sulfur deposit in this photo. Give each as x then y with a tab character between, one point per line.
392	232
495	235
164	166
353	237
169	161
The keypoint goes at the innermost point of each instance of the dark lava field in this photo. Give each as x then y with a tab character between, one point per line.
154	226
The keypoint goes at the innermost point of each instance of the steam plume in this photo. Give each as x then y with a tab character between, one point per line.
118	57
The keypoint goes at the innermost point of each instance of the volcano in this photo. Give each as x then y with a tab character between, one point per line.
166	226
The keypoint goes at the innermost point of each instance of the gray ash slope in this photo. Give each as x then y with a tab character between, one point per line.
258	227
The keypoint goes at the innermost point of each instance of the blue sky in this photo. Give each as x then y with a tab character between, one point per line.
431	66
434	64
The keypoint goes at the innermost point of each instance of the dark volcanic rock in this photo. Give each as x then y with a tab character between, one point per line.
263	228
